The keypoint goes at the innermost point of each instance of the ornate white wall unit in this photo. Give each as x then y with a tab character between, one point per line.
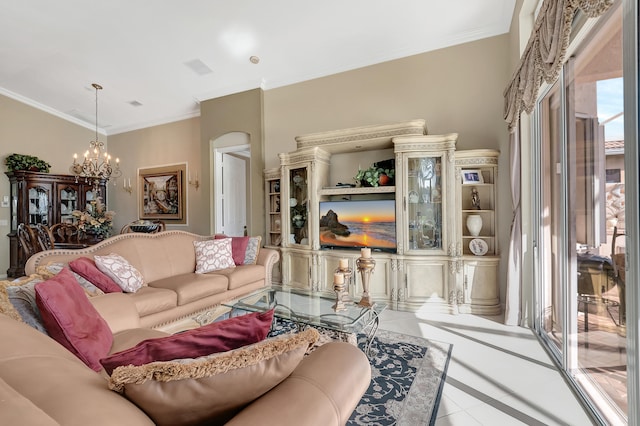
433	266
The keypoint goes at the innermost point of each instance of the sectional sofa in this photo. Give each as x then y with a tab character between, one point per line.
42	383
274	381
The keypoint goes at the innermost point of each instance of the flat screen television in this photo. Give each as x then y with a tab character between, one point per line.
353	224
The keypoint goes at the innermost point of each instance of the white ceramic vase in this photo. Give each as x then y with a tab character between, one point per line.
474	224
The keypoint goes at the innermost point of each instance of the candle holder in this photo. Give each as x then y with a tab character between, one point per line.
338	287
365	265
347	273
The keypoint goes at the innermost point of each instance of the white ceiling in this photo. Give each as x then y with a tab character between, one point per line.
51	51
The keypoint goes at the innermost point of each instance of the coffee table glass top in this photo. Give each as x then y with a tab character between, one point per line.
309	308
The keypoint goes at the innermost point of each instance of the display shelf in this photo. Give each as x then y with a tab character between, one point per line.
358	190
273	207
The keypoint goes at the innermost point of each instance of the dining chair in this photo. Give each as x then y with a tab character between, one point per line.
28	240
44	237
67	233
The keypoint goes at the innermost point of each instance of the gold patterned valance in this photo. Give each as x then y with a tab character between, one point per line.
545	53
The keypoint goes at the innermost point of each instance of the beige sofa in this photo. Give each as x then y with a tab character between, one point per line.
42	383
173	292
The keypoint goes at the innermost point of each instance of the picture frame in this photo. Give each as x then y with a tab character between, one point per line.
162	193
470	177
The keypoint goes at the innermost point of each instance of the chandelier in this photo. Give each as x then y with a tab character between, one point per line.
96	166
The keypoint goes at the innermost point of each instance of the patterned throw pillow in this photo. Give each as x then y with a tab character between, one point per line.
87	269
9	291
238	247
214	386
52	269
213	255
253	247
119	270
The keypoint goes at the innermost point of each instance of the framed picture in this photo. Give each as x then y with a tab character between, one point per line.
162	193
472	176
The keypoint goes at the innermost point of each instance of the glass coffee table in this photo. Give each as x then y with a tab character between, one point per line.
313	309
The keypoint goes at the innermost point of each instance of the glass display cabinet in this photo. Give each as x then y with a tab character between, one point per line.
298	206
425	187
46	199
304	172
424	203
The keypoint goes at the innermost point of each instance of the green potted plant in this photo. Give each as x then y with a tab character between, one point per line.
26	162
375	176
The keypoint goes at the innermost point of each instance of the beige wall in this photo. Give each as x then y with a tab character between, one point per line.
241	112
27	130
458	89
172	143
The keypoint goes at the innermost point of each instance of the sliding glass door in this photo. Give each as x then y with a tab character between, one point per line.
581	220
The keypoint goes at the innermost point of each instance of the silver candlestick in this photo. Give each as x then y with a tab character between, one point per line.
338	287
365	265
347	273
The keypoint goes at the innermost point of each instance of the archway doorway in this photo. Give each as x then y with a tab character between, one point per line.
231	160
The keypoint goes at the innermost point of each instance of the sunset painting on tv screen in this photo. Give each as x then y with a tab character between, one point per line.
362	223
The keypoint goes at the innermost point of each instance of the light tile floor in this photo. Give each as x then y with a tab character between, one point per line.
498	374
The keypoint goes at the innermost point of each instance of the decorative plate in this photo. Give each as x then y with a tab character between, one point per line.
143	227
413	197
478	247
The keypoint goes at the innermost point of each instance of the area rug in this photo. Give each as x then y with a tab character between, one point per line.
408	374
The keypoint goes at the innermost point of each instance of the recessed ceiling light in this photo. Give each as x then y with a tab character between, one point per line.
254	59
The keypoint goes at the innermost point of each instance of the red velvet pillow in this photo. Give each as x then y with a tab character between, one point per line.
220	336
71	319
88	270
238	247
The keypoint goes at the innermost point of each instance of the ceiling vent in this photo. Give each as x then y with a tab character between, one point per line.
198	67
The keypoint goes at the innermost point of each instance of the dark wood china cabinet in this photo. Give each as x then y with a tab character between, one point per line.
44	198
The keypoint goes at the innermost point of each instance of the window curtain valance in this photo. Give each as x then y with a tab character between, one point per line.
545	53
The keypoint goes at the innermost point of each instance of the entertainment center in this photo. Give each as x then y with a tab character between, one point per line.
433	234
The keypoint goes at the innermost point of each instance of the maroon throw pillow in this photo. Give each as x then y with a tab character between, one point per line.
88	270
221	336
71	319
238	247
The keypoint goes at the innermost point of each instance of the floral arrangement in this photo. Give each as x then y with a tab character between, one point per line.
96	219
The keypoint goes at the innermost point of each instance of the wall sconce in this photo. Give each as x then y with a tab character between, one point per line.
195	182
127	185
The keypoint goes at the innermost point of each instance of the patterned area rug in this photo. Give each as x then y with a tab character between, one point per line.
408	375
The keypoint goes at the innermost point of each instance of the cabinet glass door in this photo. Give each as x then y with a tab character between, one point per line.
39	197
68	199
424	203
90	196
298	206
14	205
